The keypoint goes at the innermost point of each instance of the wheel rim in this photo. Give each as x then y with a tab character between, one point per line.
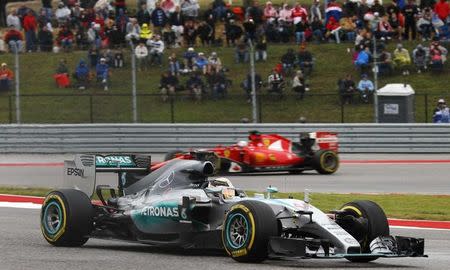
52	218
238	231
329	162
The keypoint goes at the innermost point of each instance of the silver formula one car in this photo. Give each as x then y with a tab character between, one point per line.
178	205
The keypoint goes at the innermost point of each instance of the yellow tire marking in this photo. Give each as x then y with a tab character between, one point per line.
64	217
356	210
238	253
322	157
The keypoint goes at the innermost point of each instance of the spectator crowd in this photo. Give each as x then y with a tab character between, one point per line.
105	28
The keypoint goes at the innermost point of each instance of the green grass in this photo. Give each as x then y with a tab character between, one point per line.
405	206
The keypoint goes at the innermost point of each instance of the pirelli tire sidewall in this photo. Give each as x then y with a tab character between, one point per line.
326	161
75	213
262	224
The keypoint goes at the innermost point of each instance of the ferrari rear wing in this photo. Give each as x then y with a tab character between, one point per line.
80	173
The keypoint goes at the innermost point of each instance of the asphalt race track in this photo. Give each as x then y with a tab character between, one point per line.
23	247
427	178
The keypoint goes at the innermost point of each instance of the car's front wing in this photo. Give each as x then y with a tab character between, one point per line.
397	246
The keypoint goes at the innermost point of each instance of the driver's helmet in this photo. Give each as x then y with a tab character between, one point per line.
227	188
242	143
254	135
220	182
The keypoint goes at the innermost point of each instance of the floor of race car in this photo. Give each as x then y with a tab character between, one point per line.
23	247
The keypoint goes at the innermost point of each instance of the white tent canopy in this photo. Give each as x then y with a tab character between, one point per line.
396	89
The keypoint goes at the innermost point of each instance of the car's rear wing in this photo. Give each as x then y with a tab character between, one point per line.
325	140
80	173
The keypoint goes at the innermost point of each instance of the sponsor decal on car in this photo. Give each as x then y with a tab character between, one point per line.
114	161
75	172
160	211
260	157
239	252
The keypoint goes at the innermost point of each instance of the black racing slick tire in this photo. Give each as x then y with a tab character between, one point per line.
172	154
375	224
67	218
247	229
325	161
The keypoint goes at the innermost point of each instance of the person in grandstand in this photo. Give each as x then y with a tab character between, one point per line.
156	52
365	88
298	84
420	58
214	63
81	75
62	74
45	39
441	113
6	77
65	39
247	85
241	53
102	71
141	53
305	60
201	63
347	88
385	62
195	86
438	55
288	60
14	39
276	83
168	85
401	59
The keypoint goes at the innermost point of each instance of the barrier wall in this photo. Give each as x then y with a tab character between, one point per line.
160	138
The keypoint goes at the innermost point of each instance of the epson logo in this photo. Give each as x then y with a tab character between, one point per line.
75	172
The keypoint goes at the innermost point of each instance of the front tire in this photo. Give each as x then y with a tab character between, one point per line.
247	229
325	161
67	218
376	225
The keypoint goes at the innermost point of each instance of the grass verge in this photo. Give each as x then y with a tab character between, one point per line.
405	206
321	104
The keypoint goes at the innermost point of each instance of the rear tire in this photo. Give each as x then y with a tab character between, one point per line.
247	229
325	161
67	218
172	154
377	225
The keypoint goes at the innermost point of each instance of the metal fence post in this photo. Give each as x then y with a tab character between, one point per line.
172	109
133	82
258	96
91	109
17	70
10	109
253	86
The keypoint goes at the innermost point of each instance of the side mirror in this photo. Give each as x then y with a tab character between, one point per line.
271	190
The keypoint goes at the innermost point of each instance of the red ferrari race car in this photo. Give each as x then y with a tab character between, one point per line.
270	153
